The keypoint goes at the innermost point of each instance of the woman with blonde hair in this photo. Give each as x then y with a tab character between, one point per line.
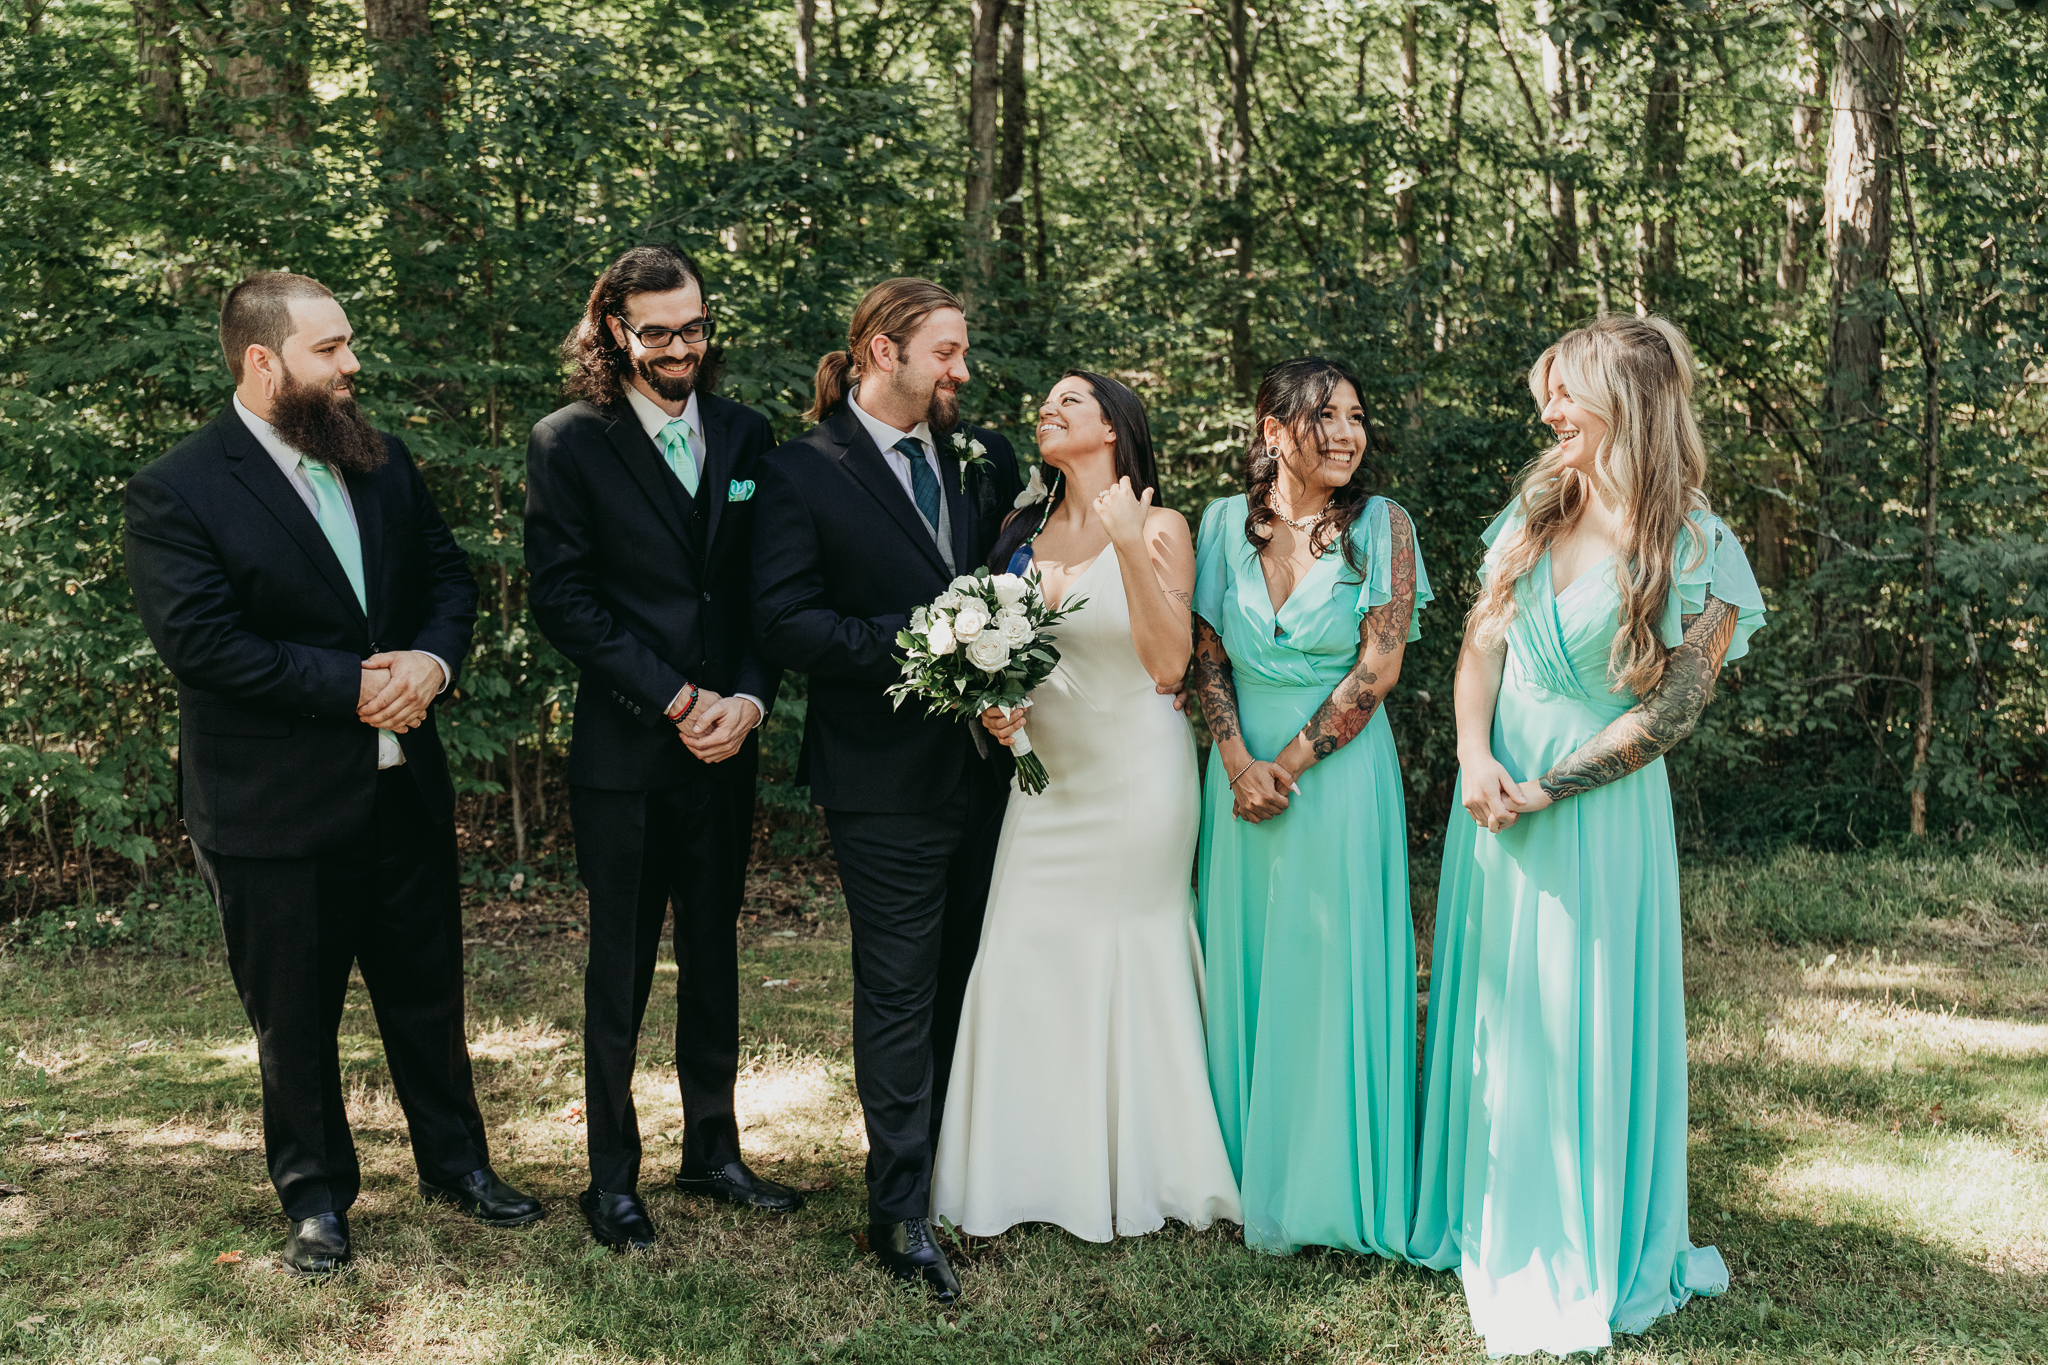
1552	1161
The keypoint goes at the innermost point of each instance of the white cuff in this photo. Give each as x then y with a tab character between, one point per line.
760	711
447	674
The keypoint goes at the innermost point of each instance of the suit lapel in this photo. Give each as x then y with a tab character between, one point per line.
644	462
959	506
865	463
257	472
714	481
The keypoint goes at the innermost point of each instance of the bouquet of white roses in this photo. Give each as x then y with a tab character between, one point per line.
984	641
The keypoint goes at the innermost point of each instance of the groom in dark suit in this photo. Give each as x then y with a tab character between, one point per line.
298	581
865	517
638	513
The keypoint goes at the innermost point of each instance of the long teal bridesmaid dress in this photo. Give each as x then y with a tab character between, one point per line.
1552	1165
1307	944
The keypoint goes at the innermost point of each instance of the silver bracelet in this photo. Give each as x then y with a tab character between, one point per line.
1242	771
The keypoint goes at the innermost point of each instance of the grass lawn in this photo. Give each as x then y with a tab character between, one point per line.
1869	1040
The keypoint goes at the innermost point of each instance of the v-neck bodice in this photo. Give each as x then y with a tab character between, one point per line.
1560	642
1312	640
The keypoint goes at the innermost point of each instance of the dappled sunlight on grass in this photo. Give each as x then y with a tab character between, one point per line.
1869	1140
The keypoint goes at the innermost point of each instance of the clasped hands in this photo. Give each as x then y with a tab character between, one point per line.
1493	798
716	726
397	688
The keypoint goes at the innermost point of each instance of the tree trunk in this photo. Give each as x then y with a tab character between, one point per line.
396	21
1558	80
1663	155
984	93
806	49
1806	125
1861	148
1404	198
1016	127
1238	65
161	65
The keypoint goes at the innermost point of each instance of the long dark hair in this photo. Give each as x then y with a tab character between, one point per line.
1295	392
600	366
1125	412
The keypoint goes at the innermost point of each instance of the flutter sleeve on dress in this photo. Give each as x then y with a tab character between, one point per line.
1710	561
1496	536
1212	557
1373	535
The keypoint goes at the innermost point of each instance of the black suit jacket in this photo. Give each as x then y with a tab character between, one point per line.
642	586
841	558
248	607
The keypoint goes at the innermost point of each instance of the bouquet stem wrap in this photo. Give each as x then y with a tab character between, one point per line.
1031	773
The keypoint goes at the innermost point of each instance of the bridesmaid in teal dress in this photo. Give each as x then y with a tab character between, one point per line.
1302	615
1552	1164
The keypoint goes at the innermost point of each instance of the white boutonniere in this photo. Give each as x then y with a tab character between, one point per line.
971	453
1035	490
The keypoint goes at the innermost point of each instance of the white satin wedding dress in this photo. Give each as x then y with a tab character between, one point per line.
1080	1084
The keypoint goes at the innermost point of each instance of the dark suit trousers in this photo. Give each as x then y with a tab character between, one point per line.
916	886
391	902
637	852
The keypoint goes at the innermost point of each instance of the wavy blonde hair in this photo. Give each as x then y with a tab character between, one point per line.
1637	374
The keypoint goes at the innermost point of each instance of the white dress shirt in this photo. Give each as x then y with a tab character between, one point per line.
886	437
389	755
653	419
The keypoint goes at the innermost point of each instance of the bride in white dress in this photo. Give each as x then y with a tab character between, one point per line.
1080	1086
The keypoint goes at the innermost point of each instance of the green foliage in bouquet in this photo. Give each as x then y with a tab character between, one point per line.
985	641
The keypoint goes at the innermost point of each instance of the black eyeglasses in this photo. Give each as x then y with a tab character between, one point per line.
658	338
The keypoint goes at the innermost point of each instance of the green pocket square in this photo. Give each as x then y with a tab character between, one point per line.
740	491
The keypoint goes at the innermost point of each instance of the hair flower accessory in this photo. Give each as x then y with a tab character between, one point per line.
971	453
1034	491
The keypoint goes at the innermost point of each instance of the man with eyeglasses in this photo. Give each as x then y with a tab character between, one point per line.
638	517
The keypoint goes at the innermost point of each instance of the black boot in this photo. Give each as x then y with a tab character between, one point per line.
908	1252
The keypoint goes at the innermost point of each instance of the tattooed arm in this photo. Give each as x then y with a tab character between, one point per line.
1654	725
1258	790
1382	640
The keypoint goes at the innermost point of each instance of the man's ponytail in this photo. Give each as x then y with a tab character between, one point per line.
835	379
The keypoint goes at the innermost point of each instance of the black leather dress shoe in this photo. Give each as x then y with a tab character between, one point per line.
484	1197
317	1245
618	1220
908	1252
735	1184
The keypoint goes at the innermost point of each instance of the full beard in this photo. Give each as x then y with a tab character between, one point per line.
943	413
323	423
672	387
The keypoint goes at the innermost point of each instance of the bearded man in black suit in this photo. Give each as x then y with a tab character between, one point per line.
639	509
298	581
865	517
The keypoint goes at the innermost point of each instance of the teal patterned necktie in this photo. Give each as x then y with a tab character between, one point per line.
924	485
675	443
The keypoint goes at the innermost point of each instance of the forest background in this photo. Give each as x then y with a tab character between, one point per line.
1841	203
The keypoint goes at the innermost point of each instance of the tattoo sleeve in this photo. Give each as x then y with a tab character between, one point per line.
1654	725
1382	639
1213	682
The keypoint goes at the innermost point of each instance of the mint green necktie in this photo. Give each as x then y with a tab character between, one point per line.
675	443
331	512
330	509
